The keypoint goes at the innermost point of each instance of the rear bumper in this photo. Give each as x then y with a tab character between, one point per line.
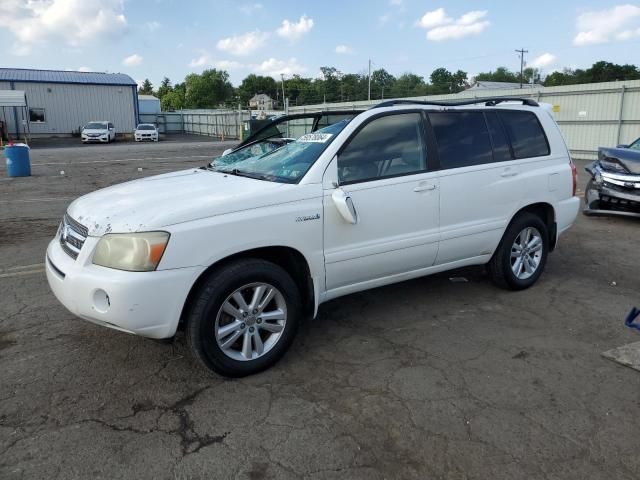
566	213
143	303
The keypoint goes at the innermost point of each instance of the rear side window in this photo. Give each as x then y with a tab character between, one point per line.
525	132
501	150
462	137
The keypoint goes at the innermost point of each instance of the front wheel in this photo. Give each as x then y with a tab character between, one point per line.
522	253
244	318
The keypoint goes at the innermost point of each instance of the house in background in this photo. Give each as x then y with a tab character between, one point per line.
262	101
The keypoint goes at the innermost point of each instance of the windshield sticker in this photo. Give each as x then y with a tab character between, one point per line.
315	137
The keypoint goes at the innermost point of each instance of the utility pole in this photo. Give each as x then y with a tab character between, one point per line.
521	52
369	96
282	76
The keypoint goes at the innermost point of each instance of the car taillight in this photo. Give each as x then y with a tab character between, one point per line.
574	176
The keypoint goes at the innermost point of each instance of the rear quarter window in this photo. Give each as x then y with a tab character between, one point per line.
525	133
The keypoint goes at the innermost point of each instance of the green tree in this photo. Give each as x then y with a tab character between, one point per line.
301	91
164	88
210	89
146	88
408	85
381	81
173	100
254	84
443	81
501	74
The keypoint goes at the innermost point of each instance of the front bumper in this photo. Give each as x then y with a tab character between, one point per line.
143	138
603	198
143	303
95	139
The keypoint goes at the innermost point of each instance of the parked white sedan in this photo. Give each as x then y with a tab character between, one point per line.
100	131
146	132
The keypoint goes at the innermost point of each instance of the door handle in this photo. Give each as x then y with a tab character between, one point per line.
509	173
424	188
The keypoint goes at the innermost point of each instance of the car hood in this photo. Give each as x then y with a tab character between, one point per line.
93	130
162	200
630	159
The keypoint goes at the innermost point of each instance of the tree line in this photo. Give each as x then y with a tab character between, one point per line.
212	88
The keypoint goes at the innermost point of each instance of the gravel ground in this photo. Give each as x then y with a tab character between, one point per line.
425	379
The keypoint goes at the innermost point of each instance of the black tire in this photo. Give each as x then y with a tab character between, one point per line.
201	318
499	267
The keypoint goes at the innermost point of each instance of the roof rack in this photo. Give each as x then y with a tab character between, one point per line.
489	102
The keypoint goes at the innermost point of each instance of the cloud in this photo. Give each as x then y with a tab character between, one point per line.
244	44
434	18
152	26
132	60
85	69
205	60
70	22
396	3
273	67
344	50
621	22
295	30
250	8
441	27
542	61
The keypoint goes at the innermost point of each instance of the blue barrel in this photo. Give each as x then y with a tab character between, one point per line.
18	161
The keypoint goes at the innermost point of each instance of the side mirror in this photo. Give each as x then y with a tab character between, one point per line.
622	146
344	204
227	152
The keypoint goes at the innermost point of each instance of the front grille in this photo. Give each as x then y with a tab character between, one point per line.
72	236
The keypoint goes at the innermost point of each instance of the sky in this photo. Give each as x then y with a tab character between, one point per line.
157	38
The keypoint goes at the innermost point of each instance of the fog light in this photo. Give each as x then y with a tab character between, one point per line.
101	301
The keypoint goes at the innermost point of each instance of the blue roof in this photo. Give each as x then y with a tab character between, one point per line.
61	76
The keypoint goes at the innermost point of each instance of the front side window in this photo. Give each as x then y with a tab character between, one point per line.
36	115
462	137
525	132
388	146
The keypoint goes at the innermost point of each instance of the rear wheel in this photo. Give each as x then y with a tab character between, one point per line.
244	318
522	253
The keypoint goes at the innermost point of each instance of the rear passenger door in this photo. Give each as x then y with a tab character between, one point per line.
480	183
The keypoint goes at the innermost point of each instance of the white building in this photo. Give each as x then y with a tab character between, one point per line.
262	101
148	104
60	102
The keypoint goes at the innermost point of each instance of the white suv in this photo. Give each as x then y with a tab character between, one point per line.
237	252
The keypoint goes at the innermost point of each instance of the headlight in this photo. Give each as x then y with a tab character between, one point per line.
134	252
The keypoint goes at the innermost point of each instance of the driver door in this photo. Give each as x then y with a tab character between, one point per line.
384	170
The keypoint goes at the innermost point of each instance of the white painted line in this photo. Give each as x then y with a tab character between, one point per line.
35	200
22	273
22	267
71	162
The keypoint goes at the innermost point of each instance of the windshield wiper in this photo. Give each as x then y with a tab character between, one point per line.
244	173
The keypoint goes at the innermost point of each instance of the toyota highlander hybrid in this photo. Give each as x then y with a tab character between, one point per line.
237	252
